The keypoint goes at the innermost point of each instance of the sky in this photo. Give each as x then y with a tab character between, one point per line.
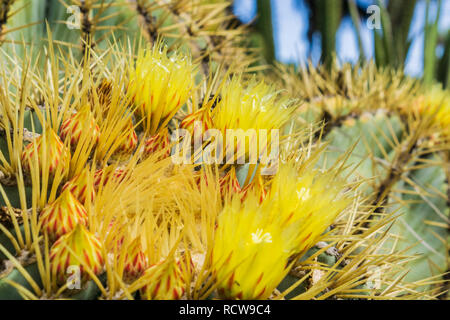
291	24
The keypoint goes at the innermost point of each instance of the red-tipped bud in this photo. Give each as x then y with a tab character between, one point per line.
103	91
158	142
114	236
81	123
78	185
129	142
102	176
62	215
199	177
85	251
164	281
202	116
135	262
50	151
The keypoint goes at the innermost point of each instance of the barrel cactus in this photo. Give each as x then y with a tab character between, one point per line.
157	167
398	131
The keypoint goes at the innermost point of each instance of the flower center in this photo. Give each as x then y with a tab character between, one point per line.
303	194
258	236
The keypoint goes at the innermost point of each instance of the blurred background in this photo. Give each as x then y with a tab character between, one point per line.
409	34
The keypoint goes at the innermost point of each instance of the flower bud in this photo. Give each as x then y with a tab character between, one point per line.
82	122
158	142
62	215
78	186
164	281
50	151
135	261
102	176
128	144
86	251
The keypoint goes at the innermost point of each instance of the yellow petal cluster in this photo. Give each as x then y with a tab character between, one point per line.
436	103
306	202
247	109
255	239
159	85
249	256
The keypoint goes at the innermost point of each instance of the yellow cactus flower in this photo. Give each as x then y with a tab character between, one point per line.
249	257
249	111
159	85
306	203
62	215
255	238
85	250
436	103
